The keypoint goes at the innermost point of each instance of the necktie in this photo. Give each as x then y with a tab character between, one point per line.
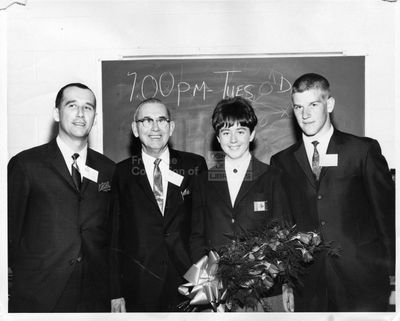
315	161
157	184
76	175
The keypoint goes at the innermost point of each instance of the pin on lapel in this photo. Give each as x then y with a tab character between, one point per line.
329	160
260	206
174	178
90	173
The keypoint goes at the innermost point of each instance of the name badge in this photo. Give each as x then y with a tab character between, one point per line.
90	173
260	206
329	160
174	178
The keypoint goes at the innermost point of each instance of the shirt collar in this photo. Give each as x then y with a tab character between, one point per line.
67	152
240	166
148	159
323	139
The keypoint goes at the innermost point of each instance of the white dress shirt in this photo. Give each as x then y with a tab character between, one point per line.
235	172
148	162
67	153
322	147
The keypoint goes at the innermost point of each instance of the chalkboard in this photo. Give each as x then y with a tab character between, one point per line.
191	87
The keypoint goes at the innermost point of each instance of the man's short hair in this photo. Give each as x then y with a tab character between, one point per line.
231	111
60	93
311	81
150	101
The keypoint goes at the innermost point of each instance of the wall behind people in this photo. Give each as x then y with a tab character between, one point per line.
51	43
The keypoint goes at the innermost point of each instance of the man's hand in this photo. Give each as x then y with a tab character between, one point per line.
288	298
118	305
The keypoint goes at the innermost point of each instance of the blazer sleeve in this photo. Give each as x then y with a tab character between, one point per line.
281	205
18	197
203	165
115	248
281	199
197	237
381	194
274	162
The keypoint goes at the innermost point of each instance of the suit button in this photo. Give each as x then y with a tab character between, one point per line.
233	220
323	223
319	197
74	261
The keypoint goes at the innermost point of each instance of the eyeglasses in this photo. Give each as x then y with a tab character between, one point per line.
148	122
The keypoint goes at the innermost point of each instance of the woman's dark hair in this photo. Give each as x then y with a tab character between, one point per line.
231	111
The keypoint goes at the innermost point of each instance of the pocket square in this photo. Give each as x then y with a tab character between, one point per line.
104	187
185	193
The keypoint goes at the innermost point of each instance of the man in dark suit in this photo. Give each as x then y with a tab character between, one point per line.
152	216
339	184
58	215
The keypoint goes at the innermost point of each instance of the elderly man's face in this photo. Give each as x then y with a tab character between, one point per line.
153	128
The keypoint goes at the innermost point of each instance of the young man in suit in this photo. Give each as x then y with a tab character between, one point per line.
240	194
58	215
339	185
152	216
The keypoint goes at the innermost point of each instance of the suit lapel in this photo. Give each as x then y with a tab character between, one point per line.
139	175
92	164
173	191
57	162
254	170
217	179
333	148
301	157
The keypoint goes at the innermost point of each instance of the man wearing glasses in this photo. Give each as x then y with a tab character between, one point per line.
152	210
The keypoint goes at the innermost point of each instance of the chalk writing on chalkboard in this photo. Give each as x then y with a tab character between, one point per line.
192	87
164	85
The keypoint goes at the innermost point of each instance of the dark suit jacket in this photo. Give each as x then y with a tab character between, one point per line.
353	205
151	250
215	222
50	223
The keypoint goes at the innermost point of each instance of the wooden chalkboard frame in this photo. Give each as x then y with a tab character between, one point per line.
276	129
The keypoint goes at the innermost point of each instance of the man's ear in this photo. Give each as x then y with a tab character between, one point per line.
56	114
330	104
171	127
135	129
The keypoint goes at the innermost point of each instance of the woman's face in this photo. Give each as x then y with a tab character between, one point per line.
235	140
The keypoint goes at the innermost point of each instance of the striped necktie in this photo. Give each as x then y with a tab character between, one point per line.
315	161
157	184
76	175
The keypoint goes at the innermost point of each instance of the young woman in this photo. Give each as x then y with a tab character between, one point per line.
240	193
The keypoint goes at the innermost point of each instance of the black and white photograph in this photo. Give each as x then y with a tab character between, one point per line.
188	159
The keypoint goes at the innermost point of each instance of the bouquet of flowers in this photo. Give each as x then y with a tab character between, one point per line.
241	273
